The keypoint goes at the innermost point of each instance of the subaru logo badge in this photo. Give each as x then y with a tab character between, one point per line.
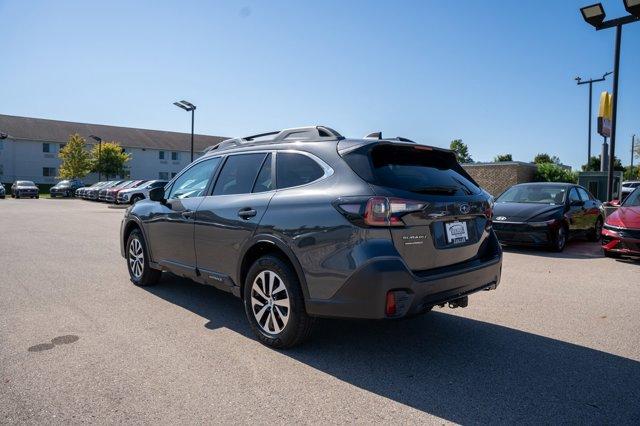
464	208
501	218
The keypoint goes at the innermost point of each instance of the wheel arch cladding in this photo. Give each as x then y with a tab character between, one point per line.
263	248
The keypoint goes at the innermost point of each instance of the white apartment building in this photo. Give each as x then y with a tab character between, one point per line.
29	148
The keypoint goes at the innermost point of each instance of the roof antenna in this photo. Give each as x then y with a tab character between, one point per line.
374	135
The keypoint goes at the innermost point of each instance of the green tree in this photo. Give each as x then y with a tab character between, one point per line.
594	165
502	157
462	151
76	160
549	172
632	173
544	158
109	159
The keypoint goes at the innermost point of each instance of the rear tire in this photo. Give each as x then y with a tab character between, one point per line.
137	256
274	304
596	233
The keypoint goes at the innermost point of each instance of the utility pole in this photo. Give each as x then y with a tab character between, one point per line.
633	148
590	83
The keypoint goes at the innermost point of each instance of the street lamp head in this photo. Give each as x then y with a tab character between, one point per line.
593	14
633	7
187	106
578	79
95	138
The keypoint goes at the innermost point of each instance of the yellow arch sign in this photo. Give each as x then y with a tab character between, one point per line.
605	111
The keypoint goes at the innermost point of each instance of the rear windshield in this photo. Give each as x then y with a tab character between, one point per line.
26	183
411	168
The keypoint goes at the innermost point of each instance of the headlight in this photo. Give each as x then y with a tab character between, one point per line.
542	224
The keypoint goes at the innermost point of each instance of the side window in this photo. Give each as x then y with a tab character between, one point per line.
264	182
238	174
193	182
296	169
573	195
584	194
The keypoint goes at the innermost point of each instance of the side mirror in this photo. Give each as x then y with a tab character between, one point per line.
577	203
157	194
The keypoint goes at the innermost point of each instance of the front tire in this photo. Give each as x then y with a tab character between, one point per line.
136	198
560	239
140	271
274	304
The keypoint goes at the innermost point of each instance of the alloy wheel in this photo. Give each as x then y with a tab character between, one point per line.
270	302
136	258
562	238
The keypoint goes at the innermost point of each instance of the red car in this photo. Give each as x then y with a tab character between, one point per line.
621	232
110	194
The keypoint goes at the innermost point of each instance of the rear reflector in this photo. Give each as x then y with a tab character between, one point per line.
390	309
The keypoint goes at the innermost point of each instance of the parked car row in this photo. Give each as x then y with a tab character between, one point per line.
119	191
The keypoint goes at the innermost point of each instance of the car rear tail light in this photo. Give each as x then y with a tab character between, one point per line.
378	211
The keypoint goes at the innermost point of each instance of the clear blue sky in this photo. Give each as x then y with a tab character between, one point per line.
498	74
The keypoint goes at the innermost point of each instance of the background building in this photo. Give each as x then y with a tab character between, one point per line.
496	177
30	149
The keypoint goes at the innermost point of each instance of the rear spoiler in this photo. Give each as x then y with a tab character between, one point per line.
346	146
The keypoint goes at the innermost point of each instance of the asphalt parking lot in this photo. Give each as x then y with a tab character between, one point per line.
558	341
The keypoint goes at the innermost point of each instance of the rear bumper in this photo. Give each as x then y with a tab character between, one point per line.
364	293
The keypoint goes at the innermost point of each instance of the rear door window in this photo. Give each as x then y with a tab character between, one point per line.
239	174
264	181
411	168
294	169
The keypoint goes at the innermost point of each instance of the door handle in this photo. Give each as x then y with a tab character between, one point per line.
187	214
247	213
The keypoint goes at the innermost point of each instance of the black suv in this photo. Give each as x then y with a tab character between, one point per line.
305	223
65	188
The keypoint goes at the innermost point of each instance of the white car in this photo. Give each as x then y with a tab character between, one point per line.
628	187
133	195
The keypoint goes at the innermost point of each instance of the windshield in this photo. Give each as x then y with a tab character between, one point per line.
26	183
633	200
537	194
64	183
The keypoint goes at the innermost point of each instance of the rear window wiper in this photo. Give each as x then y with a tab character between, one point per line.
436	190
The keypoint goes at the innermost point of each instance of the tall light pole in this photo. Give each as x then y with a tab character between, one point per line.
633	148
590	83
99	140
188	106
594	15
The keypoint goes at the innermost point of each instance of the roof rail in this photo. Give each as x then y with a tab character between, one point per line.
311	132
298	133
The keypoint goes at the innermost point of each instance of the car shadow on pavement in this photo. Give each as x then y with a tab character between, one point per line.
575	249
459	369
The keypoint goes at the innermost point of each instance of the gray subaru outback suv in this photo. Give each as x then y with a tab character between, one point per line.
304	223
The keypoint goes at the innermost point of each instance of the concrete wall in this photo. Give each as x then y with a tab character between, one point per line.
497	177
25	160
